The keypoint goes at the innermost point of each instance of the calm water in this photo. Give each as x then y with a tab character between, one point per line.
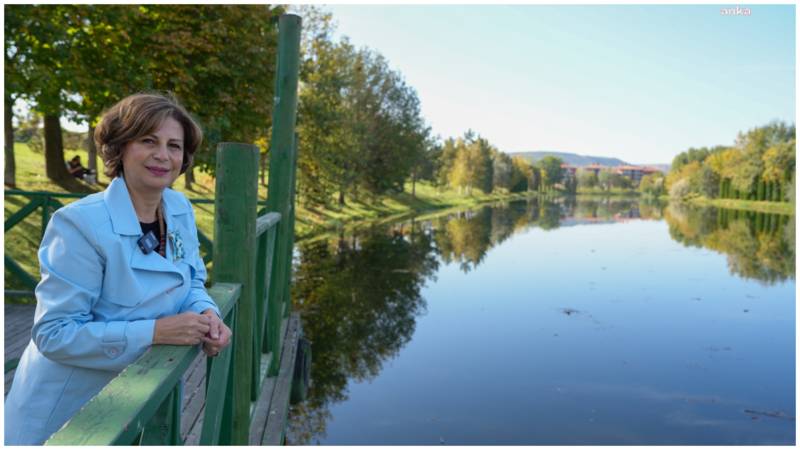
577	322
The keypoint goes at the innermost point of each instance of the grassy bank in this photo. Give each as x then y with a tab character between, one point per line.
22	241
747	205
605	193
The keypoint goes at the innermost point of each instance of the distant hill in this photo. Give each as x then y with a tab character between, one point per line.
571	158
584	160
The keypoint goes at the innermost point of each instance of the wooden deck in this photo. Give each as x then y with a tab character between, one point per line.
18	322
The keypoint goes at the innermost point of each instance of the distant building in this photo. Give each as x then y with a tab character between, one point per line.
594	167
635	173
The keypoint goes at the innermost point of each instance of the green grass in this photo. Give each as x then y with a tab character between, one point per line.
747	205
22	241
603	192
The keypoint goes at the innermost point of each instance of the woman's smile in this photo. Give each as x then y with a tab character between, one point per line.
158	171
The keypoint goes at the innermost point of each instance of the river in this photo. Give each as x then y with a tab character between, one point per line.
549	322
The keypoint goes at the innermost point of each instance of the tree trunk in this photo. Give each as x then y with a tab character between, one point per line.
92	152
55	165
341	197
188	177
11	167
414	185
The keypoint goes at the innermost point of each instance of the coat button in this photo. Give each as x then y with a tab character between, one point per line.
112	352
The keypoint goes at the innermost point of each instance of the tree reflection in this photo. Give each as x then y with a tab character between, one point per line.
359	298
759	246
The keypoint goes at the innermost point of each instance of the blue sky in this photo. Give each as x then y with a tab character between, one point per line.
641	83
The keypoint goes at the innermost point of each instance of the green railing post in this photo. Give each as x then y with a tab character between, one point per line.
281	173
287	298
234	261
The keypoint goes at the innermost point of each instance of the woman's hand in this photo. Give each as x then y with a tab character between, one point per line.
218	336
183	329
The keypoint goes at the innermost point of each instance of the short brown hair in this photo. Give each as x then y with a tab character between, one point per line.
138	115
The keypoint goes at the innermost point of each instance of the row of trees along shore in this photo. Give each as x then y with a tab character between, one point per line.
760	166
360	128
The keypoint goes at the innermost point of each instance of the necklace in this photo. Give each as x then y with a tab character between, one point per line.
162	249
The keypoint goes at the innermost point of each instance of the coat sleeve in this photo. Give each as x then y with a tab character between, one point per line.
64	329
198	299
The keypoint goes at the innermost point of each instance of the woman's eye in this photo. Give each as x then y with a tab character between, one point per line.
175	147
148	140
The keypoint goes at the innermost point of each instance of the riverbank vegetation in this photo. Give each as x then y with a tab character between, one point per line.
759	167
360	132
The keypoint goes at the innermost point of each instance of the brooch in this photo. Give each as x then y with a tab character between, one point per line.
177	245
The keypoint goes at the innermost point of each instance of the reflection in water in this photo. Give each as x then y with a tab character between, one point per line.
759	246
359	298
359	293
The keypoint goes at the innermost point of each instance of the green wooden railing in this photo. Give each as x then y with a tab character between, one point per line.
252	271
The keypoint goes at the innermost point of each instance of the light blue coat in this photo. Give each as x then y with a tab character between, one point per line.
97	303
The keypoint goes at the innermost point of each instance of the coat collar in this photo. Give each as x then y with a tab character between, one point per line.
123	216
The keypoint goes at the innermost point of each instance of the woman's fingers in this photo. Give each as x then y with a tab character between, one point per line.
214	322
215	326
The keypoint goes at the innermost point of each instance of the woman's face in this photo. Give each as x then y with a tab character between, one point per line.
153	161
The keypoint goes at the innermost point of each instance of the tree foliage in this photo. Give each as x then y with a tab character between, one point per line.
360	125
74	61
759	166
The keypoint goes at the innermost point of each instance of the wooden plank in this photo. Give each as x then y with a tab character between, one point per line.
193	435
16	337
18	320
22	327
261	411
193	394
193	379
275	430
15	344
14	351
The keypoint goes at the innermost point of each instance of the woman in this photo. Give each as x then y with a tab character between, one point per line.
121	271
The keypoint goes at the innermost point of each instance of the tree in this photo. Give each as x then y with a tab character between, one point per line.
679	189
219	60
425	164
37	46
520	175
502	170
586	178
652	184
479	155
327	141
551	170
80	59
446	161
